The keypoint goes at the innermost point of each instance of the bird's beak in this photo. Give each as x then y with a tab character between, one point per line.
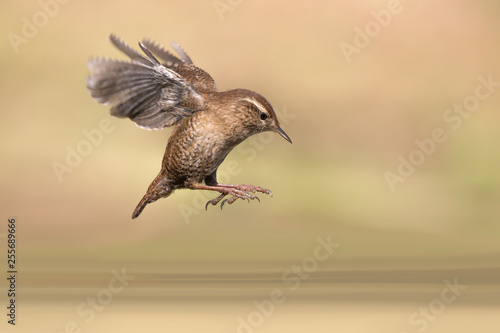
283	134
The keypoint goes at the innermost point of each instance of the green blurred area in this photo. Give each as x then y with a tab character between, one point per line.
351	122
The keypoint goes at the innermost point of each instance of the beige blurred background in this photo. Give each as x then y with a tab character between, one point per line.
351	120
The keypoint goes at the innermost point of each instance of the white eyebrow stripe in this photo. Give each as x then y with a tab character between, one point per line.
253	101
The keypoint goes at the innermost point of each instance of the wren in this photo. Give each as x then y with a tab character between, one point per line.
208	124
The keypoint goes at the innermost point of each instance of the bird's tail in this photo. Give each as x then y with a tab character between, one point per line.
156	190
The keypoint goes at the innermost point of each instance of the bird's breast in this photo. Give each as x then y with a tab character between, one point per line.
195	149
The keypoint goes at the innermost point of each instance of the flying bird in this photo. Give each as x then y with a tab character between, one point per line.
157	89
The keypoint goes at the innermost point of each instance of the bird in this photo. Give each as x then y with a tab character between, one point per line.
207	123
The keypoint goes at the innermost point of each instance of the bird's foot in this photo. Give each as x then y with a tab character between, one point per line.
248	188
234	198
236	192
235	195
215	201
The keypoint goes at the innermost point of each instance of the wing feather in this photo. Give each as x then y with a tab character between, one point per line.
170	60
142	89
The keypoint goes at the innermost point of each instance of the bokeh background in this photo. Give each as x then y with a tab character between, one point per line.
352	119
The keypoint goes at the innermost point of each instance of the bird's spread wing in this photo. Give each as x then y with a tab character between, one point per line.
152	95
169	60
184	66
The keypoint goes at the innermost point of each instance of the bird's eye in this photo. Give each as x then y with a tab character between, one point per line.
263	116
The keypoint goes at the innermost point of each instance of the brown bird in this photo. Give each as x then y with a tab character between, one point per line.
208	124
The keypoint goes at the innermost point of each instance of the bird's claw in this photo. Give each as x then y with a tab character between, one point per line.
237	192
215	201
234	198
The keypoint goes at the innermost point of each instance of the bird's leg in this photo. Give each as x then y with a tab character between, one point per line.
248	188
211	180
235	193
245	188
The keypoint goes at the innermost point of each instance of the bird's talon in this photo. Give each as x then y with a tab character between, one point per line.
215	201
237	192
228	200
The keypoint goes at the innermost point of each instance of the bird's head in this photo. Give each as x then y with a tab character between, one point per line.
256	113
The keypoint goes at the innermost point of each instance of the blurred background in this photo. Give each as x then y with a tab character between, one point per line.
385	215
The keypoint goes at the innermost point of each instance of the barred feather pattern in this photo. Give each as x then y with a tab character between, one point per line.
142	89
